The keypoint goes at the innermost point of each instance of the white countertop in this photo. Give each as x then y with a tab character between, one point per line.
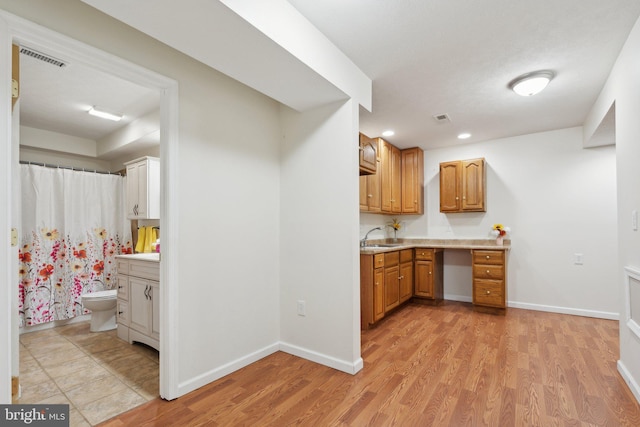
435	243
153	256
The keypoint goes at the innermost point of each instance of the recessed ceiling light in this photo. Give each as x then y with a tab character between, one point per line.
99	112
531	83
464	135
388	133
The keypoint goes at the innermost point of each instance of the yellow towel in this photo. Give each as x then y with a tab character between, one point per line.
150	237
141	237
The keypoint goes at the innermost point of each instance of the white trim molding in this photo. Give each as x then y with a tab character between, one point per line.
565	310
628	378
323	359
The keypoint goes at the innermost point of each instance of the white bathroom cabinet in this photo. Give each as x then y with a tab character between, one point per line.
139	300
143	188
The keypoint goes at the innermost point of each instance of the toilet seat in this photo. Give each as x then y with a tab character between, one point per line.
101	295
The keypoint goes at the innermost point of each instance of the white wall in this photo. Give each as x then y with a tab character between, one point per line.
558	199
319	252
623	88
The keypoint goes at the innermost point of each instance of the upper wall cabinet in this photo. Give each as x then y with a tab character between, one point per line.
143	188
368	155
462	186
397	187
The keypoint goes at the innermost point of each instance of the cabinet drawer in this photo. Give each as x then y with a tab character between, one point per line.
424	254
488	257
145	270
122	314
378	260
406	255
123	287
488	271
391	258
488	292
122	266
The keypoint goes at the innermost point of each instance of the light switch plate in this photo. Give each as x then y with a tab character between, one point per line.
15	90
14	237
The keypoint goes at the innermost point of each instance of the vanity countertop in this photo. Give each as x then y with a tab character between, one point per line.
153	256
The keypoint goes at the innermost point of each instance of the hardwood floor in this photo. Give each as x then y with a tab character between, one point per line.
428	366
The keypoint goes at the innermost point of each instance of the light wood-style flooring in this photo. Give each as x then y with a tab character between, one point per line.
428	366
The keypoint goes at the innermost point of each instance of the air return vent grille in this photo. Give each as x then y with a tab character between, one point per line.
442	118
42	57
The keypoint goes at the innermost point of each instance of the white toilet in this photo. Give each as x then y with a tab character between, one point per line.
103	309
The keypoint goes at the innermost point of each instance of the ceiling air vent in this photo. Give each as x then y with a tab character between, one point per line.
42	57
442	118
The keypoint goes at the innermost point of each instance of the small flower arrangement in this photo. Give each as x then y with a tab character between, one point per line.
395	224
499	231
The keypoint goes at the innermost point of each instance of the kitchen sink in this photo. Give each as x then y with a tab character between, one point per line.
382	245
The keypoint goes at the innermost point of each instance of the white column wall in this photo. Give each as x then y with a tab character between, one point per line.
319	258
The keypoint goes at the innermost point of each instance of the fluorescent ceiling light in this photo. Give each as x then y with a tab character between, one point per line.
531	83
388	133
464	135
95	111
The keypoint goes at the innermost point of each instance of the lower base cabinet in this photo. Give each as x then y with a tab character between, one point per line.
429	283
139	315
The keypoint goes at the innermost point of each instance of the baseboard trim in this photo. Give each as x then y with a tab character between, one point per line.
626	376
341	365
565	310
217	373
54	324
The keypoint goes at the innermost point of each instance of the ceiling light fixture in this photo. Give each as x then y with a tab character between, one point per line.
531	83
388	133
98	112
464	135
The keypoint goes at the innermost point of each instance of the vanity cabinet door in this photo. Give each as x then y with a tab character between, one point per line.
140	315
154	293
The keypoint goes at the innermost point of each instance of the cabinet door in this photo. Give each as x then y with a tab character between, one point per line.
132	191
378	294
385	176
364	200
122	312
396	180
368	155
450	176
143	197
473	185
373	193
140	308
424	279
412	161
391	288
154	293
406	281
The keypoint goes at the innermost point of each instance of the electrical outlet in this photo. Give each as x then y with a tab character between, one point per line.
578	259
302	308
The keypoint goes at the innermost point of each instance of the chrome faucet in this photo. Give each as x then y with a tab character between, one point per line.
363	242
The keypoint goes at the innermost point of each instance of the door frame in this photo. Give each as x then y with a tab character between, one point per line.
16	29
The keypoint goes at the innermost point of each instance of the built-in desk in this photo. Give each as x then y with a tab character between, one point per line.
412	269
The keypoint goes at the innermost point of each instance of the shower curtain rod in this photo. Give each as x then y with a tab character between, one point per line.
47	165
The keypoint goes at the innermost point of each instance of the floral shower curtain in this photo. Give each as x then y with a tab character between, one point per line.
73	224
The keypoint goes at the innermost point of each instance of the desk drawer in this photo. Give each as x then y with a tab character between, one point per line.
488	257
488	292
487	271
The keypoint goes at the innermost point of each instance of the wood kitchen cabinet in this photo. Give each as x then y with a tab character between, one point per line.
391	178
368	155
406	275
463	186
429	284
371	289
412	165
489	279
143	188
138	307
391	280
370	193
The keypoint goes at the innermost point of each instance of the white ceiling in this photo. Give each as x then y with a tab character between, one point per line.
57	98
424	57
457	57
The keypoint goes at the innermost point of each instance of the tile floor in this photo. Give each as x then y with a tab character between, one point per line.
96	373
